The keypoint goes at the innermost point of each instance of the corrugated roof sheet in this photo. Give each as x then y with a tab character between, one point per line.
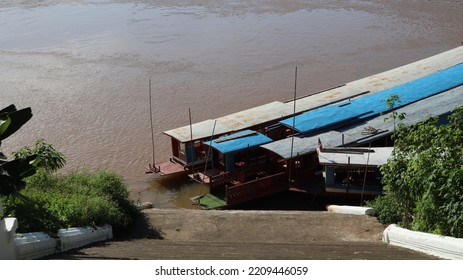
375	104
241	120
257	115
357	134
199	130
238	141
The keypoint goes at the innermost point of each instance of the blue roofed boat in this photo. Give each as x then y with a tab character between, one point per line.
273	147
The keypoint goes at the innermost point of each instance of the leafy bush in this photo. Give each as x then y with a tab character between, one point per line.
387	209
50	202
80	199
50	159
425	175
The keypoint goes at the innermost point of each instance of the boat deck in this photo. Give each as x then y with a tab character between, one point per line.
209	201
166	168
204	177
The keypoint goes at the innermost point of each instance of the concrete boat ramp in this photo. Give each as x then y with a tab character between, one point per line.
266	235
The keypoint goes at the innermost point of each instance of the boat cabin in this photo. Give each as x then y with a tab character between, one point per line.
353	170
240	170
238	150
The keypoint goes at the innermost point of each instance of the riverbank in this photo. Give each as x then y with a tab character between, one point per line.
196	234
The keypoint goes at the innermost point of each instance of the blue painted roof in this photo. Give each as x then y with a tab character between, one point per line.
375	104
238	141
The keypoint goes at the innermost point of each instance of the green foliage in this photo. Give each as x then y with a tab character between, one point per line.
50	159
79	199
425	174
13	172
50	202
387	209
11	120
391	102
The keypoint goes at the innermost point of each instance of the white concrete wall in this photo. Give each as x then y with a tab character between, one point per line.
352	210
77	237
440	246
36	245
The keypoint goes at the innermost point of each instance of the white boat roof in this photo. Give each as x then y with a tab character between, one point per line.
234	122
359	157
278	110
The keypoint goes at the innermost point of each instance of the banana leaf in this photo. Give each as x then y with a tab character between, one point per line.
11	121
13	172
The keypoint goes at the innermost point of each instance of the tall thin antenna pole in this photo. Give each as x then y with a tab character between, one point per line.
348	174
365	175
191	138
294	123
152	129
191	126
205	166
209	149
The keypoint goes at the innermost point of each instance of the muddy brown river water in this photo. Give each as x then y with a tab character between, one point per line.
84	67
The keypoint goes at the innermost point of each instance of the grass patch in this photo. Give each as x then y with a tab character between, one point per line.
52	202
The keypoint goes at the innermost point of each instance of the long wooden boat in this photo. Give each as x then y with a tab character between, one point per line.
272	148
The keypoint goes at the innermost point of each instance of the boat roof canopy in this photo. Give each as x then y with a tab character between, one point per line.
231	123
238	141
376	104
197	131
275	111
365	131
360	132
355	157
